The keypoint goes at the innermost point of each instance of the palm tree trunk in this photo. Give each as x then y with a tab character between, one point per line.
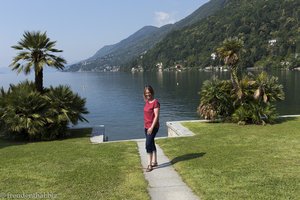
233	78
39	80
235	81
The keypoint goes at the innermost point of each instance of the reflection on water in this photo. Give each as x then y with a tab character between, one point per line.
116	99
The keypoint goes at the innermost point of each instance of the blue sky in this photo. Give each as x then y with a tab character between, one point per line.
81	27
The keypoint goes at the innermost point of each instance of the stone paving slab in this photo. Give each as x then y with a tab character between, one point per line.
164	182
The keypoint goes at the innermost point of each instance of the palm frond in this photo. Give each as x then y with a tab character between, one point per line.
35	52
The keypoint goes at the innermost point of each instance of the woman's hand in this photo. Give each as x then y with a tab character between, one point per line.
149	131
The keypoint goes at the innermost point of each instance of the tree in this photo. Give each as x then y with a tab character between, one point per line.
229	52
36	50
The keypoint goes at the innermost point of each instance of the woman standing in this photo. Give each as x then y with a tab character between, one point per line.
151	124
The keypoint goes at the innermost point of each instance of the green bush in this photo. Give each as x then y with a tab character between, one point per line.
64	107
22	111
253	113
255	104
216	101
26	113
259	95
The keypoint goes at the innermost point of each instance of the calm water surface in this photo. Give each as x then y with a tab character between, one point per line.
116	99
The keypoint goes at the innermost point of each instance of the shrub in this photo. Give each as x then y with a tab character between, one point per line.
26	113
258	97
216	101
22	111
64	107
268	89
253	113
255	104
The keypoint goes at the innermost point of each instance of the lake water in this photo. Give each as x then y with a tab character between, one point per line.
115	100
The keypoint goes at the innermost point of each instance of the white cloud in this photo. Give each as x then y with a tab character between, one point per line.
163	18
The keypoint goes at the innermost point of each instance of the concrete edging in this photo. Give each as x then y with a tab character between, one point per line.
98	134
289	116
176	129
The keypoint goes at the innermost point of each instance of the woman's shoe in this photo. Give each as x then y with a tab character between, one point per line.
154	164
149	168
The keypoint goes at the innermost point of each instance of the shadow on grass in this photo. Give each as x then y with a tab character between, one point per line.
4	142
71	134
187	157
78	133
181	158
281	120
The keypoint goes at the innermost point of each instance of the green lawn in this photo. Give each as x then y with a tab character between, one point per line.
72	169
229	161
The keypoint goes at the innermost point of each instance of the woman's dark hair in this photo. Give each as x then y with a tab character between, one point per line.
149	88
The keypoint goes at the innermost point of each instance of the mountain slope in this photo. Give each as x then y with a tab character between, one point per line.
140	42
269	28
204	11
111	55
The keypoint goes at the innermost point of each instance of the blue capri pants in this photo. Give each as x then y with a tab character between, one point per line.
150	144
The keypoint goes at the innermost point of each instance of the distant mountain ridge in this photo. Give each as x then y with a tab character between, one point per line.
113	56
269	28
204	11
134	38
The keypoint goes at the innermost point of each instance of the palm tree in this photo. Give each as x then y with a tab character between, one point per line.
267	89
66	105
36	50
216	100
23	111
229	52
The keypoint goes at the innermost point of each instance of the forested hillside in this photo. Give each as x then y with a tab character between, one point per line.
270	30
113	56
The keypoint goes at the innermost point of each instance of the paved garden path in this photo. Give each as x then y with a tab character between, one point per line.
164	182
